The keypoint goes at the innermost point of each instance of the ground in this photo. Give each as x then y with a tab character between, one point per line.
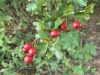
91	30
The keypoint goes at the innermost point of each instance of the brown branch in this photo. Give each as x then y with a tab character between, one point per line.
26	15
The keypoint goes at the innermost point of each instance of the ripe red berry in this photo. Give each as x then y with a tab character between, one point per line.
54	33
76	25
26	47
63	26
32	51
27	59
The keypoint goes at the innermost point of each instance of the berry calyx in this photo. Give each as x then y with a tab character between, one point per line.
76	25
26	47
32	51
54	33
63	26
27	59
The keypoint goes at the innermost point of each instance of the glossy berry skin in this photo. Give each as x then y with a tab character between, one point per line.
27	59
54	33
76	25
32	51
26	47
63	26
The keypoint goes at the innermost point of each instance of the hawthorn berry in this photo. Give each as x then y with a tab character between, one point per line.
63	26
26	47
76	25
54	33
27	59
32	51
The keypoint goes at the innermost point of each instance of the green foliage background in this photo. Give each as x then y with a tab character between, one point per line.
24	20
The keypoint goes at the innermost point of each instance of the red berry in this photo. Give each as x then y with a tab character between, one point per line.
26	47
23	49
54	33
27	59
63	26
32	51
76	25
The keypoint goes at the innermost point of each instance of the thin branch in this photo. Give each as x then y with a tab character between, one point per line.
10	13
26	15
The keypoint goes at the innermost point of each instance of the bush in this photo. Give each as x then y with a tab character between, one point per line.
64	54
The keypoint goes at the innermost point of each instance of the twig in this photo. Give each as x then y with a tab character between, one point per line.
74	17
49	70
56	72
35	40
26	15
10	13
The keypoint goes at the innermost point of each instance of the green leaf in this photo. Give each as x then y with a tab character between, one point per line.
81	2
15	4
87	57
34	6
39	26
1	42
49	23
31	6
92	49
68	10
83	14
89	8
54	65
49	55
85	68
89	48
2	7
57	22
46	14
58	54
43	35
66	61
58	4
41	64
42	48
78	70
93	70
4	64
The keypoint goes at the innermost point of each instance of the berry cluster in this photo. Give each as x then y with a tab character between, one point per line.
76	25
29	51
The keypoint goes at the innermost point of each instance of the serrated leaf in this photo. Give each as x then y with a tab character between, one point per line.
57	22
46	14
4	64
34	6
89	8
31	6
83	15
81	2
58	4
93	50
58	54
39	26
78	70
43	35
68	10
42	48
89	48
66	61
54	65
87	57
